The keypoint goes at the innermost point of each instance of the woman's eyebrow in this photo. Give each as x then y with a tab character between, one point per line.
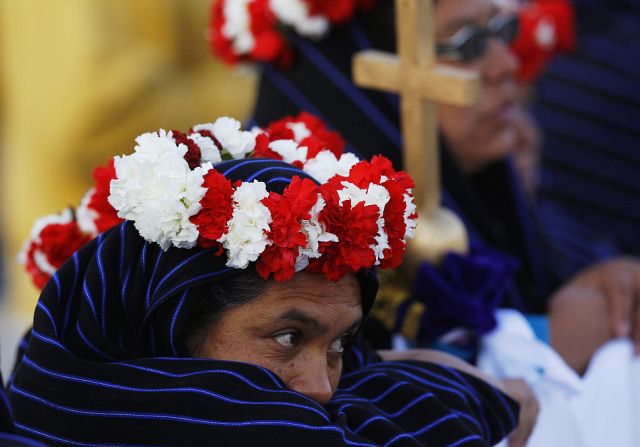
300	317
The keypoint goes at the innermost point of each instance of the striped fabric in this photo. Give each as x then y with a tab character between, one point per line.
8	438
105	365
588	104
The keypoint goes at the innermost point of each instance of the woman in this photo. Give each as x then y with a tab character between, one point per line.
221	310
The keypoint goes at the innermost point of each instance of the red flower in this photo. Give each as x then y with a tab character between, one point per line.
355	227
534	54
287	211
336	11
107	216
58	242
38	277
320	136
394	225
262	148
217	209
220	45
398	184
269	44
193	154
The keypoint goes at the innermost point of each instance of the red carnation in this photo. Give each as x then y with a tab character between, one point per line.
262	148
279	129
38	277
269	44
287	211
362	174
216	211
355	227
320	137
58	242
193	154
107	216
394	225
220	45
336	11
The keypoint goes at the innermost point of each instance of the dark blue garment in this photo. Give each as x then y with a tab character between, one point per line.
8	436
106	365
588	104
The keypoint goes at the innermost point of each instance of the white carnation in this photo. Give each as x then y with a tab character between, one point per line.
209	152
295	13
316	233
156	190
237	25
85	216
325	165
246	238
373	195
289	150
300	130
235	142
410	224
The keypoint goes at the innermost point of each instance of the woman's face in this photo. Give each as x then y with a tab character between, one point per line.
297	329
485	131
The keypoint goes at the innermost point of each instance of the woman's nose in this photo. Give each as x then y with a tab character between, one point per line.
313	380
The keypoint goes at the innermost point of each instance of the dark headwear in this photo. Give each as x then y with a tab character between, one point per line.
104	367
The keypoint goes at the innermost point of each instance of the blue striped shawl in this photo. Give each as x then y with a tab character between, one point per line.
104	366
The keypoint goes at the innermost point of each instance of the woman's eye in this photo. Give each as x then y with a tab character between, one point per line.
288	339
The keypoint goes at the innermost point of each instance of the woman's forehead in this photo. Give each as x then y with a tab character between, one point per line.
316	287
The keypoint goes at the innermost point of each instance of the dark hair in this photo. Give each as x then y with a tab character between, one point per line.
213	299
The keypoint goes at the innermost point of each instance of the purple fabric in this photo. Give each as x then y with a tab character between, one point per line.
462	292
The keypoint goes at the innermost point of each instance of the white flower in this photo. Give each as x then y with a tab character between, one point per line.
289	150
325	165
227	131
373	195
246	238
237	25
295	13
209	152
545	34
315	232
410	224
300	130
85	216
156	190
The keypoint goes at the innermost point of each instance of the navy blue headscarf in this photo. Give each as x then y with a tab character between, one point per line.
105	365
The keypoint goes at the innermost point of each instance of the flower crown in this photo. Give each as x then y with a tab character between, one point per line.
255	30
358	217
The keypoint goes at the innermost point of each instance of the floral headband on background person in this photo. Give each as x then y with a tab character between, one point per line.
359	215
255	30
258	30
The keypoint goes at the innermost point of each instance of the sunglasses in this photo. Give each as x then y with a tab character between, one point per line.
472	41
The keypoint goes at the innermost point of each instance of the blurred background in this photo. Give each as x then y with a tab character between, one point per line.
79	80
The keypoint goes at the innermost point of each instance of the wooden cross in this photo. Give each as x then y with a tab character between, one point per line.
420	82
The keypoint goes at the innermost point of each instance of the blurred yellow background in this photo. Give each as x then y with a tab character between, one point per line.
79	79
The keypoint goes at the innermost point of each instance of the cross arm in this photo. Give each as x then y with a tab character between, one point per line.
443	84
